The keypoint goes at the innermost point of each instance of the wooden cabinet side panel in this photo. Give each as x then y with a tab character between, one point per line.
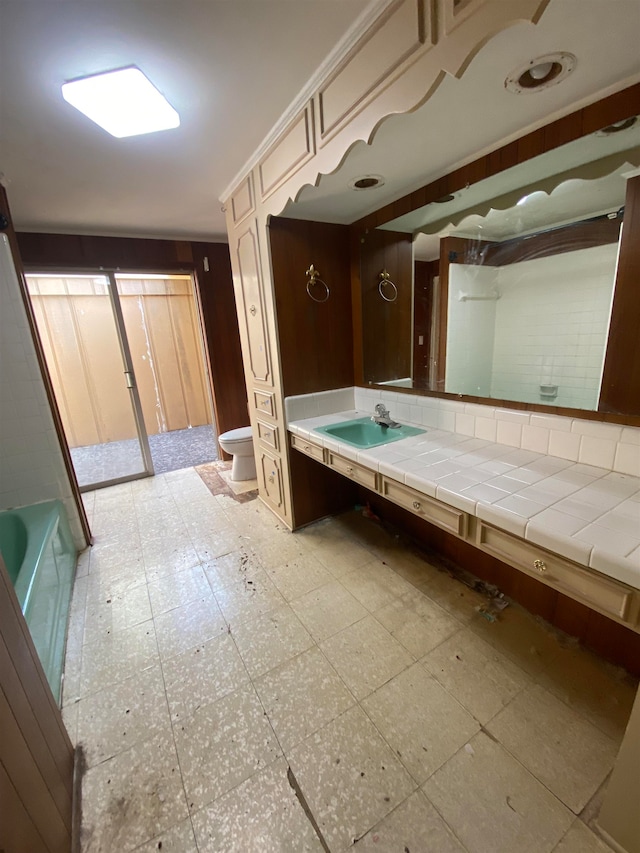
288	154
257	337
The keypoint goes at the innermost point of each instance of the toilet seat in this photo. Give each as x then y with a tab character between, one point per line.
239	434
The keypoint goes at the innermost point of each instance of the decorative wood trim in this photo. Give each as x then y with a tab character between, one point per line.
455	12
289	154
243	200
404	31
257	335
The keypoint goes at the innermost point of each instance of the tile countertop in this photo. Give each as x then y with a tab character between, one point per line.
589	515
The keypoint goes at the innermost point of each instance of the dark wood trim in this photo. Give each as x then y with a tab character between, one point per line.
621	377
356	307
556	241
42	364
580	123
423	292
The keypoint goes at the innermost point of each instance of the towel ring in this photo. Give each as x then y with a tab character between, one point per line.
314	279
385	281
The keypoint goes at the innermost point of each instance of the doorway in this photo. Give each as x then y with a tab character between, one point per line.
126	359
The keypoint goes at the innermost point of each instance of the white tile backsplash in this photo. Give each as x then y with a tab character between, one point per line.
606	446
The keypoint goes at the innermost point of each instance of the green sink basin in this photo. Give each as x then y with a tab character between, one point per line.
363	432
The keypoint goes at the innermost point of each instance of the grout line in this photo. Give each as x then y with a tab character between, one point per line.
293	782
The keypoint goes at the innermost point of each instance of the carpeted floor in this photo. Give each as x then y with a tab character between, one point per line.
170	451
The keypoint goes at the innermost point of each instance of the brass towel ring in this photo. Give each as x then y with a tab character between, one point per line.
385	282
314	280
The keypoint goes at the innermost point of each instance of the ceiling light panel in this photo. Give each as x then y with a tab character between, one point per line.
123	102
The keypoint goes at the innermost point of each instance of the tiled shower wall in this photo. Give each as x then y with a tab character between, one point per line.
611	446
548	327
31	463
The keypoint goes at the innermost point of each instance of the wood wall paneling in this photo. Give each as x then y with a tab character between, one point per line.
386	343
222	335
423	299
36	756
620	390
330	492
316	338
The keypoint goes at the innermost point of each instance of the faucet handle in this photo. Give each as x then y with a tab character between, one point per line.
381	409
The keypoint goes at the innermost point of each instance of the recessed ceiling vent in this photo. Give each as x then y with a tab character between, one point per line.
540	73
366	182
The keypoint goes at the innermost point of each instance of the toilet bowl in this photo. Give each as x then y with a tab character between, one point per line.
239	444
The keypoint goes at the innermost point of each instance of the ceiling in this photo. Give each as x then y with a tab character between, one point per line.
231	68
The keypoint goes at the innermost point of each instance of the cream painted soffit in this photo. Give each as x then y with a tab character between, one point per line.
370	14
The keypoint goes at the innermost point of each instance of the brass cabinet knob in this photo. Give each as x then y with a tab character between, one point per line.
349	470
540	565
416	504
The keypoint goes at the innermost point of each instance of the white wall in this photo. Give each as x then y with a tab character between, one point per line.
31	463
470	329
551	327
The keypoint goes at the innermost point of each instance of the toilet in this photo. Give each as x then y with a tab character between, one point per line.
239	444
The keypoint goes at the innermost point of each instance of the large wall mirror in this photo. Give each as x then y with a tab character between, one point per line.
503	289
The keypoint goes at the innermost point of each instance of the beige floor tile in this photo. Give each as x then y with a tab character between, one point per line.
132	797
479	677
417	622
270	640
218	543
564	751
178	839
420	721
251	596
601	693
104	583
70	720
202	674
349	777
159	563
414	826
280	549
116	612
365	656
528	642
261	815
114	719
342	556
222	744
494	805
188	626
294	578
580	839
301	696
178	589
232	567
412	567
452	595
327	610
117	656
375	585
321	533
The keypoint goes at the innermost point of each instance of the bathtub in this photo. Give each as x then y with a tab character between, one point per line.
40	555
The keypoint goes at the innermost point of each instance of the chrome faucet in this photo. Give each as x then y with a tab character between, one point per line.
383	417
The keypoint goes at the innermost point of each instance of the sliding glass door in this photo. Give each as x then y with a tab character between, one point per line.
80	322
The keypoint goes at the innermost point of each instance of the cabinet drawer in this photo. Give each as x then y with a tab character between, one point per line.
364	476
595	590
446	517
265	402
271	480
308	447
268	434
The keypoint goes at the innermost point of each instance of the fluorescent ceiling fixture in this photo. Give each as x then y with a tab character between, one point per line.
123	102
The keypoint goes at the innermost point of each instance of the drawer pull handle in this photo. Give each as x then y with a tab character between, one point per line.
416	504
307	448
349	469
271	478
540	565
266	403
253	310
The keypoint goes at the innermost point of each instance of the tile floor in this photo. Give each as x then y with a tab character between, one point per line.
236	687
